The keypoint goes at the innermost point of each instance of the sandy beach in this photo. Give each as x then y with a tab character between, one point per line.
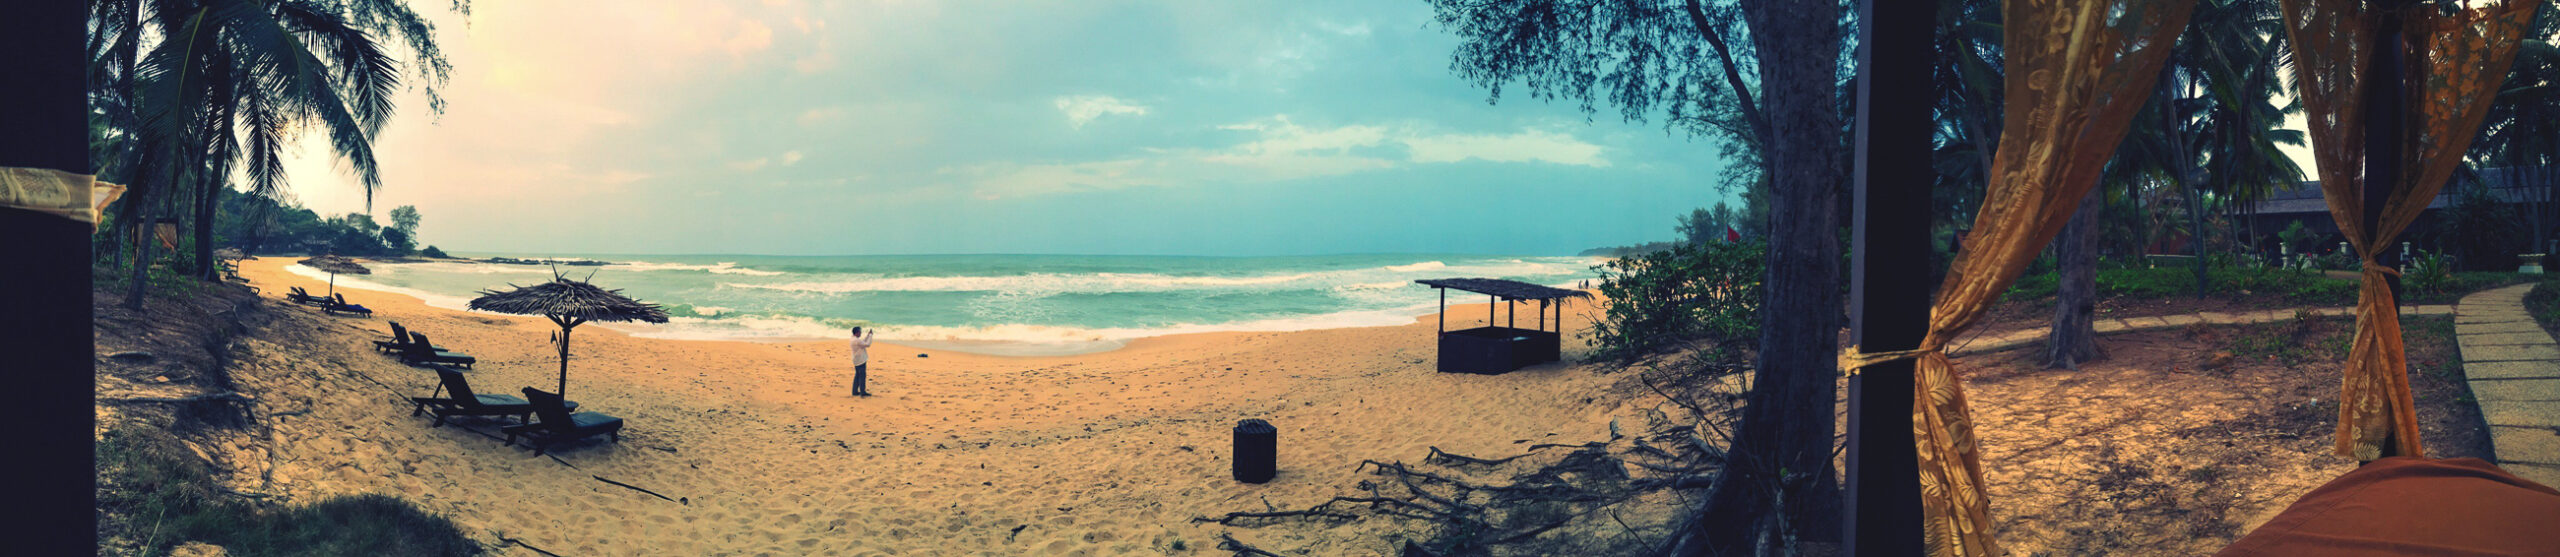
758	448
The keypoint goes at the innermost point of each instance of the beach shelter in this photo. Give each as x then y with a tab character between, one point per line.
1505	347
335	265
568	303
229	253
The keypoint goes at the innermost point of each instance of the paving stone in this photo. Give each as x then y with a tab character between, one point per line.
2429	310
2510	353
2521	390
2493	339
2180	320
2514	413
2537	445
2146	322
2218	318
2492	328
2108	326
2491	318
2510	370
2545	475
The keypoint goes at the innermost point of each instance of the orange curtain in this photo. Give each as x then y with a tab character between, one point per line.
2077	71
2455	63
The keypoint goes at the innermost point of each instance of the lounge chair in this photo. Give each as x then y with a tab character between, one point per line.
341	305
459	401
305	298
559	424
420	351
399	341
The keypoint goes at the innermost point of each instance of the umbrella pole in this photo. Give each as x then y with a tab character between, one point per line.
333	284
564	356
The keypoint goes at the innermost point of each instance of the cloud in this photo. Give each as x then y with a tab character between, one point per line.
790	158
1003	180
819	59
1085	108
821	116
753	36
750	165
1278	149
1526	146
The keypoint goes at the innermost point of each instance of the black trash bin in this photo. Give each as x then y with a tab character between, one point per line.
1257	449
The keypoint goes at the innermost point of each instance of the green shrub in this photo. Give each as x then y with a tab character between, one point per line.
2482	233
2429	272
164	497
1691	292
431	251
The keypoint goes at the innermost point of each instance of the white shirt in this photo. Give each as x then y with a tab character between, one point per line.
862	348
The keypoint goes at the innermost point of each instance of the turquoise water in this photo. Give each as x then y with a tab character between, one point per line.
997	303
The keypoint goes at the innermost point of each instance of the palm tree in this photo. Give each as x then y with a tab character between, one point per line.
229	82
2522	130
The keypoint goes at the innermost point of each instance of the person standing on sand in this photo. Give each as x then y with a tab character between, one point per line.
861	362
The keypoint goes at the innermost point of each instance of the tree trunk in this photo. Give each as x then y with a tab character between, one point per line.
1784	442
2074	338
206	268
143	239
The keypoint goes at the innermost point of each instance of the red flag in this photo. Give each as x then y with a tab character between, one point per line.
1731	236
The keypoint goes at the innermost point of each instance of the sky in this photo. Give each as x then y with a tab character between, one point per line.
892	127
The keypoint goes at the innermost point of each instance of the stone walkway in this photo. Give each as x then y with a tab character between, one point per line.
2004	340
2514	368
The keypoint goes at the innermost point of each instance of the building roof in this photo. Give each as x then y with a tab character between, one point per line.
2508	185
1500	288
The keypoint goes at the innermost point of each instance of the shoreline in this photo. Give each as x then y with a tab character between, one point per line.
984	347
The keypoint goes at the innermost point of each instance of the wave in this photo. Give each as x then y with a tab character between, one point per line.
787	326
1040	284
724	267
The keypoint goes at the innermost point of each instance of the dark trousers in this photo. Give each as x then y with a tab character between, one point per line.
861	372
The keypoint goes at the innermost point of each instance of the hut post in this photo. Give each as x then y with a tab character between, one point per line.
1514	322
1542	315
1888	310
2385	114
1444	308
1492	308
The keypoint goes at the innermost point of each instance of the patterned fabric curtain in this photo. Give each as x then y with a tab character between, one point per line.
2077	71
2455	62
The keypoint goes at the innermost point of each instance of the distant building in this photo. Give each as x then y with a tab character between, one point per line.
2304	204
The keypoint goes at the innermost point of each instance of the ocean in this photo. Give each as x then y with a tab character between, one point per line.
1000	304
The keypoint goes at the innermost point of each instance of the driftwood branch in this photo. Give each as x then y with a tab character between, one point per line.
1230	543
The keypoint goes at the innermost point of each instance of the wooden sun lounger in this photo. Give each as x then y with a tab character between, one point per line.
420	351
460	401
340	305
559	424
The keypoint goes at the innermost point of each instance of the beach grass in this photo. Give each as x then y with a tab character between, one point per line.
161	496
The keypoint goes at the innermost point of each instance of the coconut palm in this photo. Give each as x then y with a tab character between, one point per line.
2522	130
227	83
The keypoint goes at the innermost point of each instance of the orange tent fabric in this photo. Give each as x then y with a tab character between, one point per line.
2077	71
2414	506
2456	62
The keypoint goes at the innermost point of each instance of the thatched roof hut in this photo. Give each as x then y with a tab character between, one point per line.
1500	348
568	303
1505	289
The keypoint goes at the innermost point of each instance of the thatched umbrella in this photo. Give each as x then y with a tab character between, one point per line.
334	265
230	253
568	303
